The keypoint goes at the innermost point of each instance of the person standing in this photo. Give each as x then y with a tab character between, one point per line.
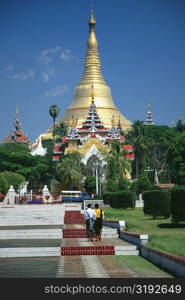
98	222
90	216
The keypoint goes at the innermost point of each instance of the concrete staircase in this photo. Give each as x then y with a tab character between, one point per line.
27	231
79	234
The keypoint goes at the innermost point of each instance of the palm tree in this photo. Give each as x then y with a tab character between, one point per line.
117	164
54	111
138	138
70	171
180	126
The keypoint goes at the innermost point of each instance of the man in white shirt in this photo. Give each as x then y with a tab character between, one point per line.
90	217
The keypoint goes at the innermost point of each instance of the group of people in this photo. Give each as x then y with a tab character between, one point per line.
93	219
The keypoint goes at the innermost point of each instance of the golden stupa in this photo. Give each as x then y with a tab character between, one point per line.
77	111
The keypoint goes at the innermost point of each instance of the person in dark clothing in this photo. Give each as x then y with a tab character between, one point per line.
89	216
98	222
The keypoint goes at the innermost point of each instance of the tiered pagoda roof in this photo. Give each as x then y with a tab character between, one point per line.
92	128
17	135
149	118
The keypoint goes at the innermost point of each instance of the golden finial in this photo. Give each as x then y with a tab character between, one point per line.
119	122
92	93
92	19
72	121
113	120
149	105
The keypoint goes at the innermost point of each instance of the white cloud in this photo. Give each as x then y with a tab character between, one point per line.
47	74
59	90
48	55
9	68
66	55
20	76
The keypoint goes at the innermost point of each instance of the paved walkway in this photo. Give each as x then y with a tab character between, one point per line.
36	228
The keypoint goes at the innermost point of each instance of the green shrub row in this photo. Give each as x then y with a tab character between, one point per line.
178	204
163	203
157	203
123	199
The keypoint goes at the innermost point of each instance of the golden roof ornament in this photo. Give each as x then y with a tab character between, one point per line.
92	93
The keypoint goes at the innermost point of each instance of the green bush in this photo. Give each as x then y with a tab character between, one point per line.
157	203
178	204
90	184
122	199
4	185
107	197
14	179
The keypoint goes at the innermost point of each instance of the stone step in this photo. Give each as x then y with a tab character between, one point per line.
81	233
30	252
30	234
126	250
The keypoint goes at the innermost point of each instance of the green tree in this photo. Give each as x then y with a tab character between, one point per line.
54	111
180	126
4	185
137	136
176	159
17	158
60	130
14	179
117	166
90	184
160	139
70	171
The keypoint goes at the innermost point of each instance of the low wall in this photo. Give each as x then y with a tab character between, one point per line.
171	263
112	224
92	202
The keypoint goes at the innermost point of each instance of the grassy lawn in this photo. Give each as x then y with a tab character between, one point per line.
141	266
163	235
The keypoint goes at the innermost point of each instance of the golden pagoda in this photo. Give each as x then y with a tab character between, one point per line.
77	111
102	93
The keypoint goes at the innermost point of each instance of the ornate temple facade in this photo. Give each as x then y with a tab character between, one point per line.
17	135
92	138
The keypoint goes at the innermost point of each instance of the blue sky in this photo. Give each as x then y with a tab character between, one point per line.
42	49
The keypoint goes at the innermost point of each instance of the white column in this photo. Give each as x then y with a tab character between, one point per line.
96	180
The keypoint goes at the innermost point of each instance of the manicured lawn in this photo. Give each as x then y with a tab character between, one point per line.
163	235
141	266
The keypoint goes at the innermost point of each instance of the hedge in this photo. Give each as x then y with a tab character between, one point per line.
123	199
178	204
107	197
157	203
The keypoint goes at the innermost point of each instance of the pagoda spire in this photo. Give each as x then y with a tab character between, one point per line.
92	71
82	98
149	118
17	123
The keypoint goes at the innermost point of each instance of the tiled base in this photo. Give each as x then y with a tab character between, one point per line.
88	250
74	233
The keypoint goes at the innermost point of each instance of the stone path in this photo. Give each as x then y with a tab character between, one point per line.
31	241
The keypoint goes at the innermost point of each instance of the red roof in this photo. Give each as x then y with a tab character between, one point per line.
130	155
64	139
128	147
122	138
57	148
56	158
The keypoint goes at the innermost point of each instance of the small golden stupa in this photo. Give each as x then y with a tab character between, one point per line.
106	108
